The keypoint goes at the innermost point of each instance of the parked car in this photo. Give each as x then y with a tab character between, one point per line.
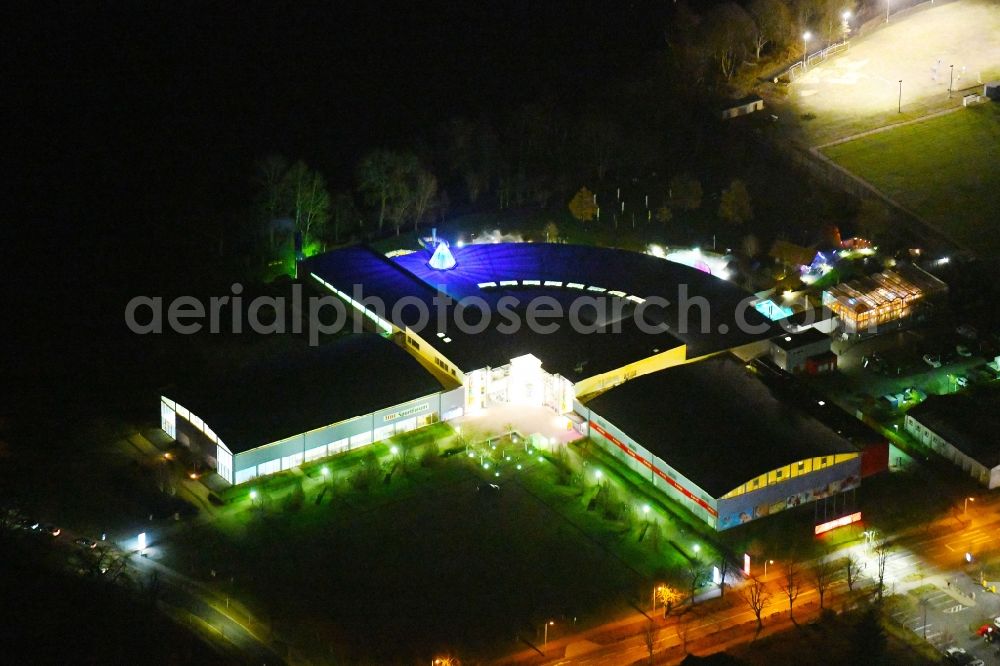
933	360
961	381
957	655
27	523
49	528
488	489
84	542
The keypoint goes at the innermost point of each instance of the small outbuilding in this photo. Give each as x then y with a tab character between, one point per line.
808	351
963	428
742	107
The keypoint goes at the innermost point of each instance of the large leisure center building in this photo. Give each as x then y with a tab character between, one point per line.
646	355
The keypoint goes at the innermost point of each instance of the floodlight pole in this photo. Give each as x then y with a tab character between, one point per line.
899	108
951	79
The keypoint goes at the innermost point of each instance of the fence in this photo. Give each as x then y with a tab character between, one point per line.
799	68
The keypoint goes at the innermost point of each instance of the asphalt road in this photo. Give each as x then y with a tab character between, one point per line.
188	596
919	558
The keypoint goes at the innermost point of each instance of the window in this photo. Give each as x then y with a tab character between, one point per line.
168	420
245	475
315	453
225	464
756	483
779	473
270	467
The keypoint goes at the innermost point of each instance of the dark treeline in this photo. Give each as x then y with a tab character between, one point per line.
650	121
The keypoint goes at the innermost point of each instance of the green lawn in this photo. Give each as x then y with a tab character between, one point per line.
944	169
421	565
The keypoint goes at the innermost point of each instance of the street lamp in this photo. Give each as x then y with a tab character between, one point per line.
394	450
951	79
967	500
645	509
253	495
766	562
805	39
697	548
547	625
887	10
900	107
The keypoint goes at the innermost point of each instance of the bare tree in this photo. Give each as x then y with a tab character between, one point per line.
852	569
724	569
425	187
696	574
728	29
772	23
756	595
822	573
310	201
791	586
682	628
881	549
343	214
649	638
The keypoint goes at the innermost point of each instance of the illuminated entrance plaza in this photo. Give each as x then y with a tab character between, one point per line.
624	367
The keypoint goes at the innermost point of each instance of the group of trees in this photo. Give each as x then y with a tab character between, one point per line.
396	186
619	130
731	33
683	193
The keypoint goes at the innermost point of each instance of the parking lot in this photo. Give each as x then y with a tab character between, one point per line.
938	616
893	363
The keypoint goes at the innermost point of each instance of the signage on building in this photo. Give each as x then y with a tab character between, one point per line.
839	522
409	411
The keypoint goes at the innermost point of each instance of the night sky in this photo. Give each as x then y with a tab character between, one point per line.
135	128
166	109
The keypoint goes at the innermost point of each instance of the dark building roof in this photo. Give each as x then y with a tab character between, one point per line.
968	421
809	336
715	423
282	396
481	269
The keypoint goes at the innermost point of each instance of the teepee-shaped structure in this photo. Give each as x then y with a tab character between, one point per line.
442	259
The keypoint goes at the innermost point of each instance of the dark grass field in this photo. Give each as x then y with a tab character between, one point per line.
943	168
430	567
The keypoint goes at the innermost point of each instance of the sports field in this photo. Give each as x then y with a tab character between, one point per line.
943	169
859	89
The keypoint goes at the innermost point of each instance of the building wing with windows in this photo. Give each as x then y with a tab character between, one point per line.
280	412
713	437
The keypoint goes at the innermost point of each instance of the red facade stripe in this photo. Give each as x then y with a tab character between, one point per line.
656	470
